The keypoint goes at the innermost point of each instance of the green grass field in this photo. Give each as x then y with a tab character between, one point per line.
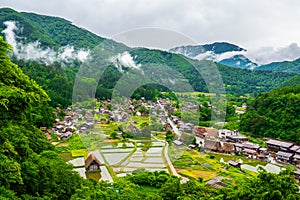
79	153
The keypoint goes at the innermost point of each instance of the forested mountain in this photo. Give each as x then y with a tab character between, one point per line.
286	66
274	114
51	32
294	81
236	81
239	61
220	52
216	48
57	75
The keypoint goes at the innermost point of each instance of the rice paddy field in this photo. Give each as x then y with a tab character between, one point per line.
135	156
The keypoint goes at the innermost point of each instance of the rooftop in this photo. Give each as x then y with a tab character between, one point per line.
284	154
233	163
249	151
280	143
295	148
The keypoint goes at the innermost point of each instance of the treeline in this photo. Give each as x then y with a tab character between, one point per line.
162	186
285	66
274	114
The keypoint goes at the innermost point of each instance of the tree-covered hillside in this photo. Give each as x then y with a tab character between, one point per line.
294	81
274	114
53	32
236	81
285	66
28	167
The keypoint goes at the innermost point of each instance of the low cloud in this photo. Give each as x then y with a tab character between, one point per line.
267	55
261	56
34	52
124	60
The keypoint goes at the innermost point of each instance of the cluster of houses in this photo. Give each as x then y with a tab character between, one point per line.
64	129
231	142
286	152
122	112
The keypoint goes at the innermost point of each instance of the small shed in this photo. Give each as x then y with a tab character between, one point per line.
234	164
92	163
178	142
65	135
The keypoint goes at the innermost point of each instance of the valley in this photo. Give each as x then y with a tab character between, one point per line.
87	117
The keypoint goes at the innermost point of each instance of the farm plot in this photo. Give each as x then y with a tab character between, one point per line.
126	160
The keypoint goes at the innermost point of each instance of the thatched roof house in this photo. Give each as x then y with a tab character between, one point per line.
228	147
92	163
212	145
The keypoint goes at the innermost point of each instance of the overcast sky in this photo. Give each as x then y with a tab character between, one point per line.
248	23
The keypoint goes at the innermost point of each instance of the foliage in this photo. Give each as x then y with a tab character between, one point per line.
264	186
294	81
285	66
274	114
170	136
29	168
113	135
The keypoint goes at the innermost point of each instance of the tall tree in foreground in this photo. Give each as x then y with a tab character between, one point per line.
29	169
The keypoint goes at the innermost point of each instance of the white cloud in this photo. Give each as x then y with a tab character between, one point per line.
34	52
124	60
267	55
9	33
209	55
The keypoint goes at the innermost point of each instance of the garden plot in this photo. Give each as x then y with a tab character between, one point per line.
137	159
269	168
158	144
152	160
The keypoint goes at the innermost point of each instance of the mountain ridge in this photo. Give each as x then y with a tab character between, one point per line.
285	66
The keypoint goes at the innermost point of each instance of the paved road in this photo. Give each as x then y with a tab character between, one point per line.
172	168
178	133
175	129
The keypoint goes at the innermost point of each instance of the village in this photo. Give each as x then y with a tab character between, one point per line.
139	129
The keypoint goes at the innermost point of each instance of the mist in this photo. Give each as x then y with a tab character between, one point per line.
124	59
34	52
